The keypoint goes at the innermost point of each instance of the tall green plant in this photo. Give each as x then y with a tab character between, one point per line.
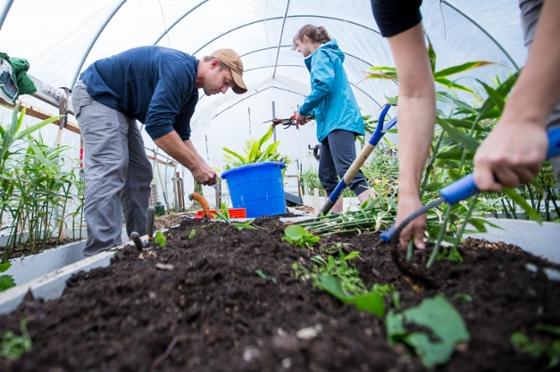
461	128
37	192
256	151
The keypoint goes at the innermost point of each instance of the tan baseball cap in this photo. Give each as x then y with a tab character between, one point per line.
232	60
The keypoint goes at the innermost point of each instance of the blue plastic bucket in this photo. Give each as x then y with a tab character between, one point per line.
258	188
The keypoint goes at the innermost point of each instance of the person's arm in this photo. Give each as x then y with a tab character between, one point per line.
322	80
516	147
416	120
185	154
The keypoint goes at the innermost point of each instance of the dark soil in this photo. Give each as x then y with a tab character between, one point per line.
26	250
210	311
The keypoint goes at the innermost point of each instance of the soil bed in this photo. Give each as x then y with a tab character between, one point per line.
199	305
27	250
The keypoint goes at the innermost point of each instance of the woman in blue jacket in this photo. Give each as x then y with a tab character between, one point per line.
334	107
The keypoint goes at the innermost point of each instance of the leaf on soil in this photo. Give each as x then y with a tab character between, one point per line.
436	315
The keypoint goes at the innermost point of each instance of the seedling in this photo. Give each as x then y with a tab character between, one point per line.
247	225
159	239
537	348
261	274
6	281
299	236
341	280
192	234
223	213
14	346
462	297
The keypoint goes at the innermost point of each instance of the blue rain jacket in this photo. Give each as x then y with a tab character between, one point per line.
331	100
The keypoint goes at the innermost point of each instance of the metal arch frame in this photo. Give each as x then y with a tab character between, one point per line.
289	46
254	94
477	25
280	39
94	40
179	20
300	66
5	12
278	18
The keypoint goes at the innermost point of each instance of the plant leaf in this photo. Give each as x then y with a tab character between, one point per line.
518	199
437	315
461	68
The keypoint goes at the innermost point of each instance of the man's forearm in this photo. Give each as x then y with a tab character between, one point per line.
172	144
538	89
416	107
191	147
416	125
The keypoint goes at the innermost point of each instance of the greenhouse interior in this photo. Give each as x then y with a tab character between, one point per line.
262	185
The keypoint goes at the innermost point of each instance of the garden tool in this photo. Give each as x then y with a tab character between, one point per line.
203	203
380	131
461	190
150	217
288	122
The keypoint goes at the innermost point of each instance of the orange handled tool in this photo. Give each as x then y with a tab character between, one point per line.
202	201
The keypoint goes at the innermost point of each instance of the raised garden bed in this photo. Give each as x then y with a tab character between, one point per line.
221	299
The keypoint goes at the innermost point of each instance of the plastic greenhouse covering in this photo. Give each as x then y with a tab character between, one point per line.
60	38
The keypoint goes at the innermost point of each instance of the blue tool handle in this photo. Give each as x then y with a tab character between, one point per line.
466	187
387	235
378	134
333	197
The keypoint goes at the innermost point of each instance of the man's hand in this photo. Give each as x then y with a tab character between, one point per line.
511	155
415	229
204	174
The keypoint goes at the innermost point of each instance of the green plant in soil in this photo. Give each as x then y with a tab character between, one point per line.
36	191
160	240
245	225
432	329
464	119
14	346
263	275
336	276
192	234
299	236
546	344
6	281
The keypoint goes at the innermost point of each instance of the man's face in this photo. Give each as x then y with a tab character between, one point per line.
218	80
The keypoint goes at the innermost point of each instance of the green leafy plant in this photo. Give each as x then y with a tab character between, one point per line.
245	225
6	281
14	346
549	347
263	275
192	234
159	239
442	329
336	276
441	77
254	152
299	236
37	190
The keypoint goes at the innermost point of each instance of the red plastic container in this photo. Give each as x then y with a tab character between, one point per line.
233	213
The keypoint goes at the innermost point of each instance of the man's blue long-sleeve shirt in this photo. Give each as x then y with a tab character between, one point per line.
152	84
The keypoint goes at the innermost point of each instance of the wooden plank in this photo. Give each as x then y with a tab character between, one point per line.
74	128
37	113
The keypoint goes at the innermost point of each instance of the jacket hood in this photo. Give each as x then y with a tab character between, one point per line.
330	47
